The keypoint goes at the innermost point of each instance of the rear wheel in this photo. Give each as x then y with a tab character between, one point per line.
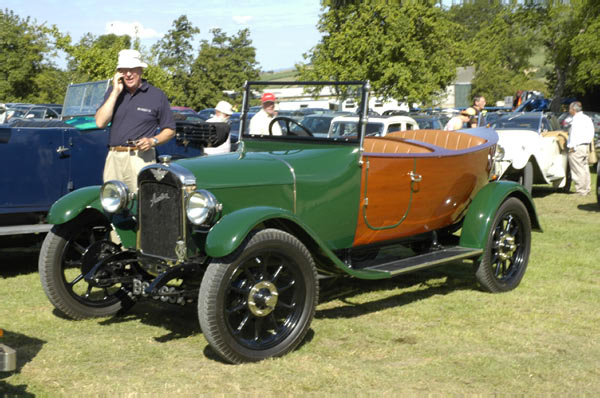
66	256
259	301
506	255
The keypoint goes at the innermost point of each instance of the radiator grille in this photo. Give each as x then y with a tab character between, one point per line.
160	212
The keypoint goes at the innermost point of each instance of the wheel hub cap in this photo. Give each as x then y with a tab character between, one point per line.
507	247
262	298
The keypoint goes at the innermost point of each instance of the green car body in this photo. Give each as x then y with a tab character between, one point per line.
248	232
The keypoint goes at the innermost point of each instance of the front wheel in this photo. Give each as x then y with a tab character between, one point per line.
67	254
526	177
504	261
259	301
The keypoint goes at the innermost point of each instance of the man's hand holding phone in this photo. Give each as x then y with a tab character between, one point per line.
118	82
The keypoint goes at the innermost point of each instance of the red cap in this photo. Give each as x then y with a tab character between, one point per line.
268	97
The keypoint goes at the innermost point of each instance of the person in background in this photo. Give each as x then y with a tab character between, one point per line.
478	105
581	134
458	121
259	124
223	111
136	110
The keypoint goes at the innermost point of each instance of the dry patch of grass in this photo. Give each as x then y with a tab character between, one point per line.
430	332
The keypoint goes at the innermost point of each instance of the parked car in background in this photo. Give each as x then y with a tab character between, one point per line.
531	150
246	237
48	158
186	114
206	113
319	124
376	125
425	121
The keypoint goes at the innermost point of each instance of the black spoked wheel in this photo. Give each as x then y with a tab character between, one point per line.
505	258
259	301
69	251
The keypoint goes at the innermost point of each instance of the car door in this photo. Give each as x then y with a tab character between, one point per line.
35	172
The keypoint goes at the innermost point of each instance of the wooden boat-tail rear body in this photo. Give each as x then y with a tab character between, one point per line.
418	181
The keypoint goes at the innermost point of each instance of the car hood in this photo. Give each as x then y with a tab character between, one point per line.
518	141
239	169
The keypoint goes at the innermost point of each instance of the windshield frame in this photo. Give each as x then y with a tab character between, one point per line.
252	87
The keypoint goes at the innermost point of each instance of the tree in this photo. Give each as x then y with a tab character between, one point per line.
223	64
570	36
95	58
25	52
407	51
174	54
501	51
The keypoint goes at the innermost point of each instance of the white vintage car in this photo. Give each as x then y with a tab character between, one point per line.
376	125
531	150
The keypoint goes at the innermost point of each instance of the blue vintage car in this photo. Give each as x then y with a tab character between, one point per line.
46	159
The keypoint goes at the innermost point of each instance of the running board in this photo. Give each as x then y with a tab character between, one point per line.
25	229
431	259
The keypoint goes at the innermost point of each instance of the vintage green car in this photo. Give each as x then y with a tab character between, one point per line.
248	235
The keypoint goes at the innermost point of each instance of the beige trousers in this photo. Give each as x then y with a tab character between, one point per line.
125	166
580	169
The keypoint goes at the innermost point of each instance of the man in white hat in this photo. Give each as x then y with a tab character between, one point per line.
137	110
223	111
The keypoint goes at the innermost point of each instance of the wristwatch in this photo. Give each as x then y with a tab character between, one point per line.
155	141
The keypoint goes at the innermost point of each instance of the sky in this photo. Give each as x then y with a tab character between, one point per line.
281	30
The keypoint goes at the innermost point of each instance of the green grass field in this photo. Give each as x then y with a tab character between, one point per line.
429	332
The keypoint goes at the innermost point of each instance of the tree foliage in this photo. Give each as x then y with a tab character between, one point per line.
223	64
174	55
26	49
408	52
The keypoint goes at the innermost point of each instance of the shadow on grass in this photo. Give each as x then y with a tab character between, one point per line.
591	207
456	277
19	255
27	348
180	321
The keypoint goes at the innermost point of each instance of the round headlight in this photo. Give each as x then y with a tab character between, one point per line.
114	196
202	207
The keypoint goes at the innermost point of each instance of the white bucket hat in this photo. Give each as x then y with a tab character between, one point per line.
130	59
224	107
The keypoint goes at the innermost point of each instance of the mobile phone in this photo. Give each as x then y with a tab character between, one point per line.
132	142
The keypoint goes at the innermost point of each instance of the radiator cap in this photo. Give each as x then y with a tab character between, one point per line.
164	159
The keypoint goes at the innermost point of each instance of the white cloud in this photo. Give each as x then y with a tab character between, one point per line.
241	19
133	29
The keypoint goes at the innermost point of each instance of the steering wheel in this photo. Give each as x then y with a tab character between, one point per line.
288	121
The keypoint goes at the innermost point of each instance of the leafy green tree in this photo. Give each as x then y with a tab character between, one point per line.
174	54
570	36
407	50
26	50
501	52
223	64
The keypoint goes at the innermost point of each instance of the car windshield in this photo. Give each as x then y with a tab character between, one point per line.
84	99
519	122
307	111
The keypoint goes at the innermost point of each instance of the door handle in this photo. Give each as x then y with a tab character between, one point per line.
62	151
415	177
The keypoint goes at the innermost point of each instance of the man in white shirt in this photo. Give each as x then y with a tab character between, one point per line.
581	134
259	124
223	111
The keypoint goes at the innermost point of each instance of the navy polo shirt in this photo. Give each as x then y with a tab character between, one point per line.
139	115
